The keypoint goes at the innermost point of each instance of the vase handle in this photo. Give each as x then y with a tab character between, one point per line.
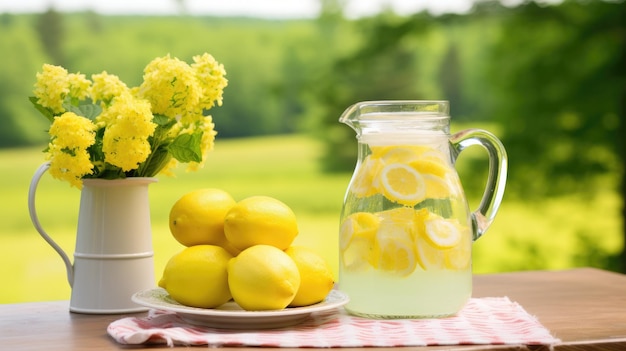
35	219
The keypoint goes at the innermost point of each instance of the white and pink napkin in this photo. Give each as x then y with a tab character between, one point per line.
482	321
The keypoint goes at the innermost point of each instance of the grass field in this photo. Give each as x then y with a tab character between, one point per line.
551	234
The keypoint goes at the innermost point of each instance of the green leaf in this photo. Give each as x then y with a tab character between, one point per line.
112	173
95	150
155	163
86	109
186	148
44	111
163	121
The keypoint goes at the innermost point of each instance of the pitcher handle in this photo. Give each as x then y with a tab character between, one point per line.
494	190
35	219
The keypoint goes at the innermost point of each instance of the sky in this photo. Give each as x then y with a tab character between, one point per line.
254	8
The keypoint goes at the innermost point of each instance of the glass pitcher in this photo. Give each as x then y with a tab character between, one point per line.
406	231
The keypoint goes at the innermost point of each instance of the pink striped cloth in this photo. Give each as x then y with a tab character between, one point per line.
495	320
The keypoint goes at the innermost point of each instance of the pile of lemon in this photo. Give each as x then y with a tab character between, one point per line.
241	251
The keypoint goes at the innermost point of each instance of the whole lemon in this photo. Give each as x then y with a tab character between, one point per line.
198	276
316	277
260	220
263	277
197	218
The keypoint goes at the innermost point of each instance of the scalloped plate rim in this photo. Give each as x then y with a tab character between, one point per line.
157	298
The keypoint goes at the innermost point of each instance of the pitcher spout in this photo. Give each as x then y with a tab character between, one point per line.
350	117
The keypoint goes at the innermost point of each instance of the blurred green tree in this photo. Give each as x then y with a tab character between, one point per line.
51	33
451	79
20	123
558	79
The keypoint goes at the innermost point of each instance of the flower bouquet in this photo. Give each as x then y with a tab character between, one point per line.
101	128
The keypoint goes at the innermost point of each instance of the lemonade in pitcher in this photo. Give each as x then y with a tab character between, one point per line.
406	231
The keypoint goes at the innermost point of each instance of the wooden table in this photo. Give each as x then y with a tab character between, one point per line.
585	308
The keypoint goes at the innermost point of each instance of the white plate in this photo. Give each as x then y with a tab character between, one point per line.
231	316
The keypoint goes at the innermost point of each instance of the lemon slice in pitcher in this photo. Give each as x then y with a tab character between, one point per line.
442	233
428	256
358	224
394	240
398	153
365	182
357	241
402	184
430	165
397	252
460	256
437	188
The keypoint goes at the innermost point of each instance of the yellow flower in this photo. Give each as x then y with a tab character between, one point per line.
68	167
72	131
106	87
52	87
126	153
128	126
210	75
71	135
116	131
78	85
171	87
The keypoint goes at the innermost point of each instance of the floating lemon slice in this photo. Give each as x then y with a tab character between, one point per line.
397	256
401	216
437	188
435	154
358	224
431	165
396	247
357	240
361	254
399	154
460	256
442	233
365	182
402	184
428	256
389	152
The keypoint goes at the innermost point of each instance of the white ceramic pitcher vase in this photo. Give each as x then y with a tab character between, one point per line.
113	257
